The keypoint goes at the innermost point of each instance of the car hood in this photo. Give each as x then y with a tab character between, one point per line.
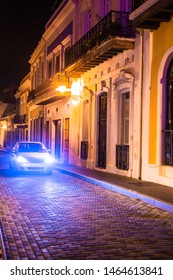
34	157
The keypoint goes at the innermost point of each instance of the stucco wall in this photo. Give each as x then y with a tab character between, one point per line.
162	41
160	48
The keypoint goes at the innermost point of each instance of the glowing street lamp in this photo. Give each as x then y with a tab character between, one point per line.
76	90
62	82
62	89
4	126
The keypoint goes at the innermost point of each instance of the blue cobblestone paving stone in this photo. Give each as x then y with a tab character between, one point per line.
63	217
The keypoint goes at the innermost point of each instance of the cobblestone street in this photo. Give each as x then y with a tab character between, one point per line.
62	217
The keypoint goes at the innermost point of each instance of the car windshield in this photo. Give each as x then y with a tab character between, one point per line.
32	148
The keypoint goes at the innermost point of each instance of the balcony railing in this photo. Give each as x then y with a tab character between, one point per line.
137	3
114	24
168	147
122	157
84	150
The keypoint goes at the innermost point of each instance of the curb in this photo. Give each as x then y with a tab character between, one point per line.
2	247
119	189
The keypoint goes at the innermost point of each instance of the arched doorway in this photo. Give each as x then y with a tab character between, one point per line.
123	93
168	117
57	138
102	129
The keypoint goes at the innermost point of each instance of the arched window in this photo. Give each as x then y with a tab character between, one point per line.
168	135
123	86
169	98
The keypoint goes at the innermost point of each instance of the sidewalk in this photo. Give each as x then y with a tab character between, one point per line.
160	196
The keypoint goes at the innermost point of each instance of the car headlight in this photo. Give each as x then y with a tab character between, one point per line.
49	160
21	159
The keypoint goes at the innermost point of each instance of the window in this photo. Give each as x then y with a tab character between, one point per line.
106	7
126	6
85	126
41	65
31	130
122	149
42	72
86	23
49	68
168	125
85	120
65	54
169	98
89	20
57	64
124	119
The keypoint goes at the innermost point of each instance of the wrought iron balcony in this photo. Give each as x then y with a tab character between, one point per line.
84	150
102	42
168	147
151	14
122	157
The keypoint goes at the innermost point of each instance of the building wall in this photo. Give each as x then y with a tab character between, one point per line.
161	46
53	113
6	124
116	77
120	74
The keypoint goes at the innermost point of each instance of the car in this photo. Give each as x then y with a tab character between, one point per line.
30	156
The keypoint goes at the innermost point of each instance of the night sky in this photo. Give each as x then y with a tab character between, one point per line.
22	24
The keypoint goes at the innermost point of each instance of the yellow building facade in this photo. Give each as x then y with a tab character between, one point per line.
154	21
162	51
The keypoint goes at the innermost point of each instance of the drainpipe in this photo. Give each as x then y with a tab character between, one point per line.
141	105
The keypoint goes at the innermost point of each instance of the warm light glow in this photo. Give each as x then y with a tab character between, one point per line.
4	126
62	89
77	87
62	82
76	90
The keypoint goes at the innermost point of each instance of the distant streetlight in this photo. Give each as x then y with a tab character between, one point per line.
4	126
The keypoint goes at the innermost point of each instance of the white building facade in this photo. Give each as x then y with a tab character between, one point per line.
95	122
